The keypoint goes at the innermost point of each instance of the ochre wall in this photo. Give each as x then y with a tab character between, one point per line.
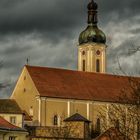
80	108
18	135
25	94
53	108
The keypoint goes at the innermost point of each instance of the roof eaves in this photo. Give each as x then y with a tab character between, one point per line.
13	129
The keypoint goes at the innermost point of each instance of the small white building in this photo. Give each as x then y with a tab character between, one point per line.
9	131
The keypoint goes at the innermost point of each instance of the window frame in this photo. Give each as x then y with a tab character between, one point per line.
55	120
13	119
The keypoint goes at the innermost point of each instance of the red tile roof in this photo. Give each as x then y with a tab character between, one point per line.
6	124
61	83
9	106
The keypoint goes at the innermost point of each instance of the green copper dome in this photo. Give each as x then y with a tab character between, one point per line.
92	33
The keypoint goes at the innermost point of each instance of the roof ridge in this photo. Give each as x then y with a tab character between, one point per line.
76	117
96	73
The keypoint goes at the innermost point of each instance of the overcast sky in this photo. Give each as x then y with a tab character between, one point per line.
47	31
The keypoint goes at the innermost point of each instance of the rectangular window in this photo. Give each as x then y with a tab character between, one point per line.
13	120
12	138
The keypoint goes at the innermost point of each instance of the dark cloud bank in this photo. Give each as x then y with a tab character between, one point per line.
46	31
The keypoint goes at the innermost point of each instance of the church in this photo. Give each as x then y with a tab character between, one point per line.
52	96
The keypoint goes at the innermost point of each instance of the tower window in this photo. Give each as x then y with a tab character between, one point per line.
84	65
97	65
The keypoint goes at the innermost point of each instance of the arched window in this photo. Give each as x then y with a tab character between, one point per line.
84	65
117	125
55	120
97	65
98	125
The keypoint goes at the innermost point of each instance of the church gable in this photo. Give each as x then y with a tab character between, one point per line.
25	92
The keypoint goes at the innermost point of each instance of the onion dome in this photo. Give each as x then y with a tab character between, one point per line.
92	33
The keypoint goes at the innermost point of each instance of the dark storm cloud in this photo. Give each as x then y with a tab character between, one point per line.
126	56
43	15
56	16
136	30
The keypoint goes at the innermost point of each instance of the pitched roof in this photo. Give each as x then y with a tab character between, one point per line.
9	106
5	125
76	117
69	84
112	134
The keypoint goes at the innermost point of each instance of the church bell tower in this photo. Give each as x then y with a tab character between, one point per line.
92	48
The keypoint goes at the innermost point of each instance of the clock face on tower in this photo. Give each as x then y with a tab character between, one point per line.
98	52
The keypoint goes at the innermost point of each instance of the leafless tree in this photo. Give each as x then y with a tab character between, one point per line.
125	113
61	132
